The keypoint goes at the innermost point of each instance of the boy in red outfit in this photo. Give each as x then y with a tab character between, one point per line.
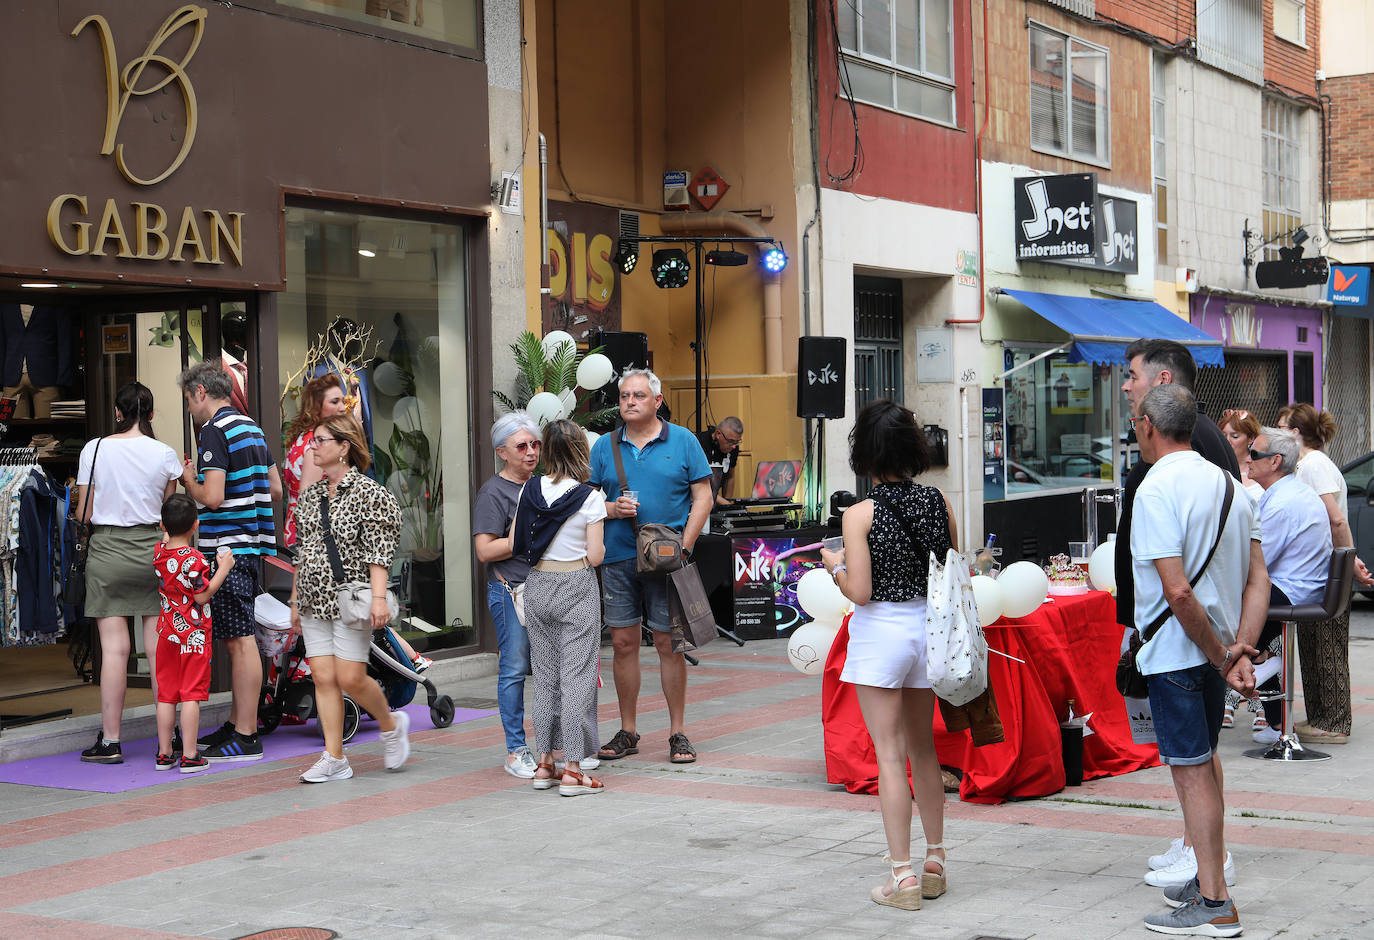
183	629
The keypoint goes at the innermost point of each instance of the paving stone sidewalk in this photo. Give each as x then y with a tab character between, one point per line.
750	841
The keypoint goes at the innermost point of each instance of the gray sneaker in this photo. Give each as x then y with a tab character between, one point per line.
1179	895
396	742
1196	919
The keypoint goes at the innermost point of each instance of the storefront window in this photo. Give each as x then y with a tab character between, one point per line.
382	302
1058	423
449	21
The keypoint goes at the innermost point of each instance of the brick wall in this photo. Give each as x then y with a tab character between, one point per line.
1008	89
1292	66
1352	136
1170	20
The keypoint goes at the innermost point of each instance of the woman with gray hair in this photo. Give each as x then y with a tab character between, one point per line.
516	439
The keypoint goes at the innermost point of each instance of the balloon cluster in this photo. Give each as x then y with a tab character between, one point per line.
593	372
810	643
1023	586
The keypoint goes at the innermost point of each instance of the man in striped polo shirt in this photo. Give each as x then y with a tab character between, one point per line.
236	483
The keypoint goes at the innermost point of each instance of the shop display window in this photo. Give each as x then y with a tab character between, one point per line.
382	301
446	21
1058	424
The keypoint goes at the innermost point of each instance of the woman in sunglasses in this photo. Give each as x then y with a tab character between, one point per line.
1241	428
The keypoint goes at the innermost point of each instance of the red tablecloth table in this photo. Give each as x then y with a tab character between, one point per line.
1070	645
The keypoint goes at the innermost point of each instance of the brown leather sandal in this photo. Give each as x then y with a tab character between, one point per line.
545	783
586	784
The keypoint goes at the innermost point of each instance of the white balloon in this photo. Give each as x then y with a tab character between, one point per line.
411	414
389	379
594	371
568	398
1024	588
819	596
987	597
1102	567
544	407
809	646
554	340
591	438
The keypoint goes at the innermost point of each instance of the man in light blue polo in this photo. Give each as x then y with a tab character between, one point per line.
1297	543
1204	643
667	471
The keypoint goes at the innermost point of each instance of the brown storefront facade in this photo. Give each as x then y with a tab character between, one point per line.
264	182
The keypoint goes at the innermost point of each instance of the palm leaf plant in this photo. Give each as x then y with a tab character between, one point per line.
536	372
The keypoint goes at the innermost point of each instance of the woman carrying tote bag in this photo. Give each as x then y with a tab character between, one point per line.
121	481
362	520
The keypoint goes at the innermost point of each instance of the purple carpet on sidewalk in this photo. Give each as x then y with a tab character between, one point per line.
69	772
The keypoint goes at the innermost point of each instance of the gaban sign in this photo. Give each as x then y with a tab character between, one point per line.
1054	216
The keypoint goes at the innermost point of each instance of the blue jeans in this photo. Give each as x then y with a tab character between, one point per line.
513	656
1187	706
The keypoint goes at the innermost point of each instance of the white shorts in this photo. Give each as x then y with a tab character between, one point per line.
887	645
332	638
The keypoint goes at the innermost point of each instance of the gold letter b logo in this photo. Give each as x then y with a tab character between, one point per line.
120	85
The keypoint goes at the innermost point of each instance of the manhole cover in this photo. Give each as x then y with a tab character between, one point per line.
291	933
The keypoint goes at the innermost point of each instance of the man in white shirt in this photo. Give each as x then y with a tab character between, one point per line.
1297	542
1205	642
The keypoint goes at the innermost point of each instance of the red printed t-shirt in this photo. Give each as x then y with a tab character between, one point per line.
182	573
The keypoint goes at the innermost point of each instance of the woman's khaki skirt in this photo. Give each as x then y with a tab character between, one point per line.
120	578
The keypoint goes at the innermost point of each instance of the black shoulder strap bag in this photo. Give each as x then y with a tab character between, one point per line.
74	580
1129	680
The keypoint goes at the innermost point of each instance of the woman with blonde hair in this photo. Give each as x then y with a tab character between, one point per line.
1241	428
1324	648
347	514
558	531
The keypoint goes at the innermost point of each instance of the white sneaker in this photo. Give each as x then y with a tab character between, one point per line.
328	768
1265	736
396	742
587	763
1170	856
521	763
1185	870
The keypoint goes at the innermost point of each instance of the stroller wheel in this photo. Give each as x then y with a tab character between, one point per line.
441	712
353	717
269	713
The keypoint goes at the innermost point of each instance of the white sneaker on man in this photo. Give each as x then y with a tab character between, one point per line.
1169	857
521	763
328	768
1185	869
396	742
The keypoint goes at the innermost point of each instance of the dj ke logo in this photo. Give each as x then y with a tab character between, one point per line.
122	84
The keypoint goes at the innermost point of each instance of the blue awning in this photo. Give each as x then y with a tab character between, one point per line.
1101	328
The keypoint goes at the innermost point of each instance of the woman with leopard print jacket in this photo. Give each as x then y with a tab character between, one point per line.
365	522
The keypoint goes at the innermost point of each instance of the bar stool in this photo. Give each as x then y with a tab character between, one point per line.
1340	581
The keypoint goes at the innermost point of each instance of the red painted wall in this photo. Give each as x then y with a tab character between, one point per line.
904	158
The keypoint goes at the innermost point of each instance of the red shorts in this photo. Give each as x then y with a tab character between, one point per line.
183	667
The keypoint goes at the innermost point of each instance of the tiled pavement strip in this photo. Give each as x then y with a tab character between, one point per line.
749	841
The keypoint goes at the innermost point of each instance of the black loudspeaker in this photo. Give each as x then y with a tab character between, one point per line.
626	351
821	362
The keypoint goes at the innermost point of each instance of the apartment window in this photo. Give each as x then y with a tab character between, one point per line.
443	21
1290	20
1157	135
900	54
1069	96
1230	36
1281	138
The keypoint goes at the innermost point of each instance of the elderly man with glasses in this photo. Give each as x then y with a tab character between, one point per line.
721	444
1297	543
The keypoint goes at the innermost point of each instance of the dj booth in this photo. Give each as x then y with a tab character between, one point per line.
751	577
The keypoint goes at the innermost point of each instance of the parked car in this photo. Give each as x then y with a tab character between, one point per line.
1359	506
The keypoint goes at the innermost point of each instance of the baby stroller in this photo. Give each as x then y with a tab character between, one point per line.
291	691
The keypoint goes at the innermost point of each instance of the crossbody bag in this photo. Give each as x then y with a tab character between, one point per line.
1130	682
354	597
658	547
74	584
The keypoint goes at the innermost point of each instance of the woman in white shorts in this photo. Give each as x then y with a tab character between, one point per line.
365	525
882	569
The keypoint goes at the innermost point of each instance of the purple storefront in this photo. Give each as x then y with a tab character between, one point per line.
1273	354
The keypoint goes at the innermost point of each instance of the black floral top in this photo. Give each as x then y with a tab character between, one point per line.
899	548
366	522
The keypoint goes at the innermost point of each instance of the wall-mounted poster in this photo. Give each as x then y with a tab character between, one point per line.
994	445
1071	387
115	339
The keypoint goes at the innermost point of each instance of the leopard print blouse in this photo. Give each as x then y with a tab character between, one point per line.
366	522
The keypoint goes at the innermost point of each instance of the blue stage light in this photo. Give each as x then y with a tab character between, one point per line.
773	259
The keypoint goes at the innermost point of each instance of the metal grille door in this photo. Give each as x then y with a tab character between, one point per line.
1254	381
1345	387
877	339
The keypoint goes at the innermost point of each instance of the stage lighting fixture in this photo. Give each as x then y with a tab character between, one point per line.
726	259
626	256
671	268
773	259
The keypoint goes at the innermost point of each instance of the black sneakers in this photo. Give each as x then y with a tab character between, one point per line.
217	737
238	747
102	752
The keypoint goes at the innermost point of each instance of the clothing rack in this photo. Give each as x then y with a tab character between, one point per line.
18	455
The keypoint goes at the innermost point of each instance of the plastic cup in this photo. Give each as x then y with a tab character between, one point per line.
833	544
632	494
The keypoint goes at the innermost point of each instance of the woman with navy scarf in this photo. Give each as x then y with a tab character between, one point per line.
557	528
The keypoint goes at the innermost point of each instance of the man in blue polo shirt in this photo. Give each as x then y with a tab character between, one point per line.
236	483
666	470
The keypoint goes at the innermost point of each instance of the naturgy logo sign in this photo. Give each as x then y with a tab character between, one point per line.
143	234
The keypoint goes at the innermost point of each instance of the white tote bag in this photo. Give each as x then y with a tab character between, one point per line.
956	649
